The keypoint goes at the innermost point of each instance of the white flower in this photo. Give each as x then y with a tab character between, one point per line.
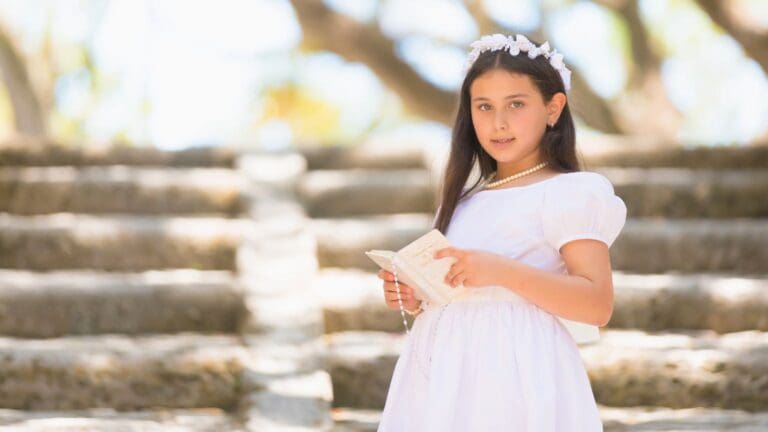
533	53
513	48
490	42
565	74
556	60
544	49
498	41
523	43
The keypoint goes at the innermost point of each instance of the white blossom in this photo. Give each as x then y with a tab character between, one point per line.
544	48
497	41
523	43
556	60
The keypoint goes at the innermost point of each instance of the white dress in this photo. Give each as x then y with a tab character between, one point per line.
499	362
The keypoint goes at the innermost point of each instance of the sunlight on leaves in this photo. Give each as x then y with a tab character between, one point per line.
310	118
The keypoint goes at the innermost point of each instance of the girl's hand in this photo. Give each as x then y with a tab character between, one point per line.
390	292
472	268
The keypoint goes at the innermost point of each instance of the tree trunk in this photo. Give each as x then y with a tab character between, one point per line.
28	116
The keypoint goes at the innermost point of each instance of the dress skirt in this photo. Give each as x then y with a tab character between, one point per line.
489	366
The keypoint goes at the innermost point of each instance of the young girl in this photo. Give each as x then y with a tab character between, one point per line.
530	242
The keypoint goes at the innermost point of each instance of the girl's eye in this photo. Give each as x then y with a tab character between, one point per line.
516	104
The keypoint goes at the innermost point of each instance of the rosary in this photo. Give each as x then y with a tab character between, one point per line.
399	299
405	323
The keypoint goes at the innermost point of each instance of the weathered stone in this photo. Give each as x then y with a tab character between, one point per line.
108	420
652	192
685	193
353	300
121	372
300	402
361	366
70	302
644	245
273	358
738	246
120	189
641	419
286	386
66	241
296	317
384	155
626	368
625	151
360	192
33	151
272	175
680	370
343	242
706	301
355	420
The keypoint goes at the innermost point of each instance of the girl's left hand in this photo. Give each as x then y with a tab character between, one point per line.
473	267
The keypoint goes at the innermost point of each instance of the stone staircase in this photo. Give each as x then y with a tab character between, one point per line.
150	290
687	346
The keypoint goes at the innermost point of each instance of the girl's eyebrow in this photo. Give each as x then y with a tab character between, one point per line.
506	97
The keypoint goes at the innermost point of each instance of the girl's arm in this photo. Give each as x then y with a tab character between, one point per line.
585	294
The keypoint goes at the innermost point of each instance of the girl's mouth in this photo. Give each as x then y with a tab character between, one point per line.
502	141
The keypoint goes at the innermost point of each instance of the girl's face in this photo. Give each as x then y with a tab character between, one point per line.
510	118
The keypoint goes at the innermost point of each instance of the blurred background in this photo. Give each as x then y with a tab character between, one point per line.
278	73
187	190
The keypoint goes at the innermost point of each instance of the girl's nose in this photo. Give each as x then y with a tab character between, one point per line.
501	121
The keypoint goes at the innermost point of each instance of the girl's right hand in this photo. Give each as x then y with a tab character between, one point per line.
390	292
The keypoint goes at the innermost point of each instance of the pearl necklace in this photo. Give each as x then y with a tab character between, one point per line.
442	309
514	176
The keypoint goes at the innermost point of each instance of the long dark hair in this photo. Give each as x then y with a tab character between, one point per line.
559	141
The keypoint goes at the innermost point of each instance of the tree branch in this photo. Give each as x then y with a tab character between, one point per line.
325	29
754	42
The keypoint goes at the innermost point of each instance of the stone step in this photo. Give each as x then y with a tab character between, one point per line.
614	419
641	419
108	420
690	193
372	155
628	151
680	370
33	151
45	305
120	372
736	246
355	419
120	189
595	149
337	193
626	368
648	192
117	243
353	300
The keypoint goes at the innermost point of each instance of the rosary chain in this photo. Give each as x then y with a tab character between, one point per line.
405	323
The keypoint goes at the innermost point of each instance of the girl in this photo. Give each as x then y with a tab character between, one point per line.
531	240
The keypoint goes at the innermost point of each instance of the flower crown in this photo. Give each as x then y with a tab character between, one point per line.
498	41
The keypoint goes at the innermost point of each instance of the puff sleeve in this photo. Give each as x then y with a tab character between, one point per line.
582	207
